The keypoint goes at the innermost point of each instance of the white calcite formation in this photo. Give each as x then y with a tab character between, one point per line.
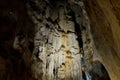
61	35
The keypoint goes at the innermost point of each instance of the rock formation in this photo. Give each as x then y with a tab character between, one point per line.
61	35
45	39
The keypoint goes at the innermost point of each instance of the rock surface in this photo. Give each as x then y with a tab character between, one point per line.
105	29
62	34
45	39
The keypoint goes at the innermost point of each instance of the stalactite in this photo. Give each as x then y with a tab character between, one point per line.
59	39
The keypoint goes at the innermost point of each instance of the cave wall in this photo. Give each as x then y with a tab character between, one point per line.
63	31
62	34
15	27
105	29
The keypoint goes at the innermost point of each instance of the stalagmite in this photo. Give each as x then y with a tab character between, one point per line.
58	39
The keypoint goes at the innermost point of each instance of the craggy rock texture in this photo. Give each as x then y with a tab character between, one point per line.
44	39
105	28
62	34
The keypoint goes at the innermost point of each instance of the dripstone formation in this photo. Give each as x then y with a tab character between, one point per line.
62	35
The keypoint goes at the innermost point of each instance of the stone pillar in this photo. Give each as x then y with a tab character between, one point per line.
57	39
